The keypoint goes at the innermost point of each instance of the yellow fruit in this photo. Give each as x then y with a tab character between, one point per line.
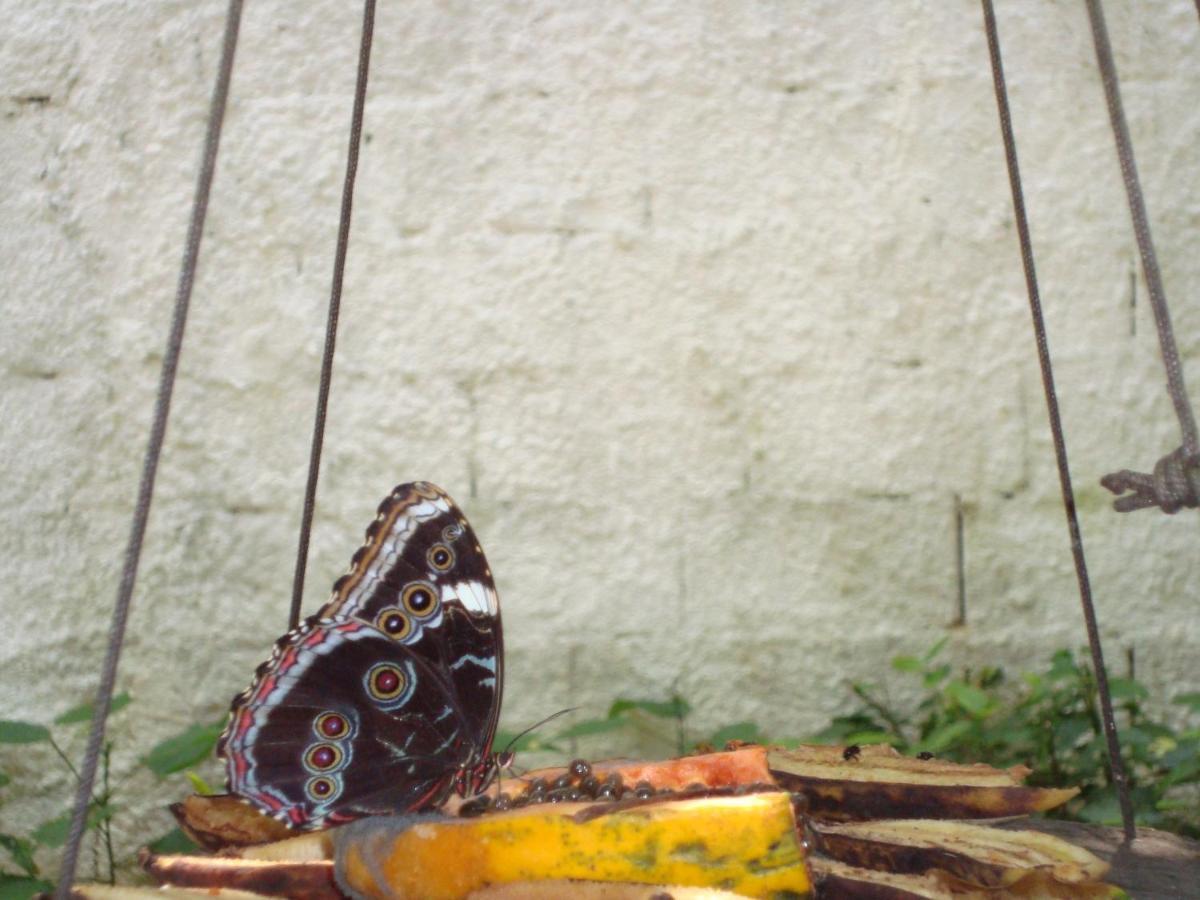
744	844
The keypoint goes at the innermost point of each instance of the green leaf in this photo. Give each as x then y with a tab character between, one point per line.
990	677
738	731
4	779
868	737
935	677
83	712
591	726
55	832
675	708
945	736
174	841
17	887
21	851
1068	731
1062	666
934	650
1190	699
836	731
22	732
1126	689
184	750
199	785
970	698
1102	808
1183	772
907	664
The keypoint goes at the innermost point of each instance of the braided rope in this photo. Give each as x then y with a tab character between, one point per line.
1175	484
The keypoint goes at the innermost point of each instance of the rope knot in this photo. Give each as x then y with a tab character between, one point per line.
1174	485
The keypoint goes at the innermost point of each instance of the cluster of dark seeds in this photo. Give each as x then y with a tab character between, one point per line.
579	782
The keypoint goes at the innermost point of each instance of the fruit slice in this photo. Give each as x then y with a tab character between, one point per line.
838	880
745	844
739	768
976	854
880	783
596	890
125	892
216	821
309	880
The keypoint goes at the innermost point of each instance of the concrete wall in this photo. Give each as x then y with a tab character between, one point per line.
705	313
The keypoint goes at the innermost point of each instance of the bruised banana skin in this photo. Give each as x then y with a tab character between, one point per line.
747	845
303	880
976	854
217	821
838	880
124	892
882	784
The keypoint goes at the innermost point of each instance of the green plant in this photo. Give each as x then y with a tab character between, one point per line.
1049	721
174	755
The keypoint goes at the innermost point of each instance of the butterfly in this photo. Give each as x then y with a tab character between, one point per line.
387	699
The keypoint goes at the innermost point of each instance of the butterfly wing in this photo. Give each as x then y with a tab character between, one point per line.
377	702
342	722
422	567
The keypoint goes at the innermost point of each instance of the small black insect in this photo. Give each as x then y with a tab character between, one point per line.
851	752
924	754
476	806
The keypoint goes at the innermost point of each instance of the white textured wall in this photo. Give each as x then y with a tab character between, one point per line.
703	312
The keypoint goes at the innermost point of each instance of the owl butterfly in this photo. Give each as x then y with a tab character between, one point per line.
387	699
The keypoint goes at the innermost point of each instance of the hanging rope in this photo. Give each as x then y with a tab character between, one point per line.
335	304
1177	475
158	430
1060	447
1174	485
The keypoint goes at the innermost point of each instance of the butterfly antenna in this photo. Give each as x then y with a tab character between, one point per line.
536	725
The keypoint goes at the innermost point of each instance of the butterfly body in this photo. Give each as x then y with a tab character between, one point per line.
387	700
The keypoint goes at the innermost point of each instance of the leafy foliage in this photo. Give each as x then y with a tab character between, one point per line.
173	755
1049	721
185	750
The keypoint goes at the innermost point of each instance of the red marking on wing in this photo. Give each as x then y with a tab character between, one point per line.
242	724
314	639
273	803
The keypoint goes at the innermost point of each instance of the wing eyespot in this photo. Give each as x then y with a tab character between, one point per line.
332	726
394	623
440	557
324	758
385	682
322	788
420	598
